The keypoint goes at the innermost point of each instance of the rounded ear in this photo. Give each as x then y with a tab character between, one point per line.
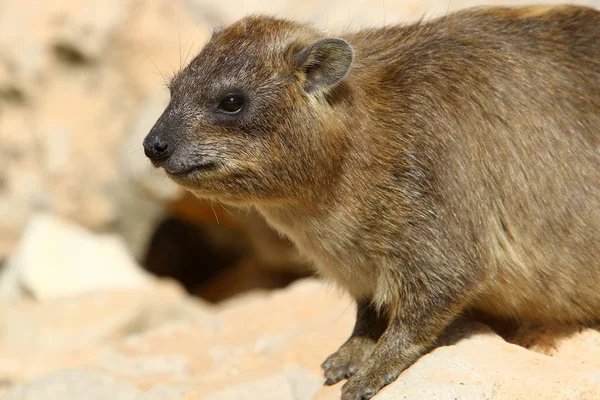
324	64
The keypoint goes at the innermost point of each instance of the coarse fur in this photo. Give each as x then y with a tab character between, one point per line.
426	168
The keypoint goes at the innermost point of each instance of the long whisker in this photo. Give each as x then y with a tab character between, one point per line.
226	210
192	46
179	38
158	71
214	212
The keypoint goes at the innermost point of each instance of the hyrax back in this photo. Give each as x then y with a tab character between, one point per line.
427	168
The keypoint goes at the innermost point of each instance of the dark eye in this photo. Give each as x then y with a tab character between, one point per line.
232	104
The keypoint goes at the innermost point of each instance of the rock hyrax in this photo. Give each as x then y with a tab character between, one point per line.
427	169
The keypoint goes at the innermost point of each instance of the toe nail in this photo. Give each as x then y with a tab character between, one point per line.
367	395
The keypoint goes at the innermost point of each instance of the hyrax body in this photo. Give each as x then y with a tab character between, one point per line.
427	168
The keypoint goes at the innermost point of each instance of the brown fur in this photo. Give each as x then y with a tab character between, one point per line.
455	165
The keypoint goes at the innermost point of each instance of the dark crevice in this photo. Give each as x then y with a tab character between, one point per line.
192	254
214	261
67	54
12	95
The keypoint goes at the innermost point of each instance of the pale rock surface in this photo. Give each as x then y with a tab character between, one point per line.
57	259
270	347
486	367
90	26
85	384
38	338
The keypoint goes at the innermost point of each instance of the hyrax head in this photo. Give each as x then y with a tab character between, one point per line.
251	118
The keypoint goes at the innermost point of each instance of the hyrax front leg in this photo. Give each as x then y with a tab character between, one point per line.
412	330
368	328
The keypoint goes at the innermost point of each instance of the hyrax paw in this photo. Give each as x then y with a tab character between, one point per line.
366	384
345	362
336	368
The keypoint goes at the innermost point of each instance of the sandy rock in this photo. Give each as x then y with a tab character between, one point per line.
157	39
86	384
57	259
477	364
39	338
485	367
271	346
19	177
89	385
290	385
87	30
231	351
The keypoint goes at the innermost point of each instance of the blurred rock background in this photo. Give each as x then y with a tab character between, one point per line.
107	270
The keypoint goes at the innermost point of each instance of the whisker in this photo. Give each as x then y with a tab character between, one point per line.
158	71
214	212
179	38
173	73
187	41
226	210
188	53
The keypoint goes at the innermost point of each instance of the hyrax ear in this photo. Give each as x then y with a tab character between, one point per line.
323	64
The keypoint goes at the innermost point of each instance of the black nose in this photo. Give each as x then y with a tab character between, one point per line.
156	149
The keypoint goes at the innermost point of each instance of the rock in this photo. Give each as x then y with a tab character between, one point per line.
157	39
217	355
36	338
85	32
20	181
505	372
57	259
270	346
285	386
88	384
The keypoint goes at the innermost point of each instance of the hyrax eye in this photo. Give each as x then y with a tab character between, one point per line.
232	104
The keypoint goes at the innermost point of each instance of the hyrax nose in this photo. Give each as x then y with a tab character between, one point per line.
156	148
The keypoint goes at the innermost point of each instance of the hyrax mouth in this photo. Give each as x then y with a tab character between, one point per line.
187	171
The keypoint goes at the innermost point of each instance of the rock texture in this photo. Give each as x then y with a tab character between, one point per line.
156	344
38	338
56	259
